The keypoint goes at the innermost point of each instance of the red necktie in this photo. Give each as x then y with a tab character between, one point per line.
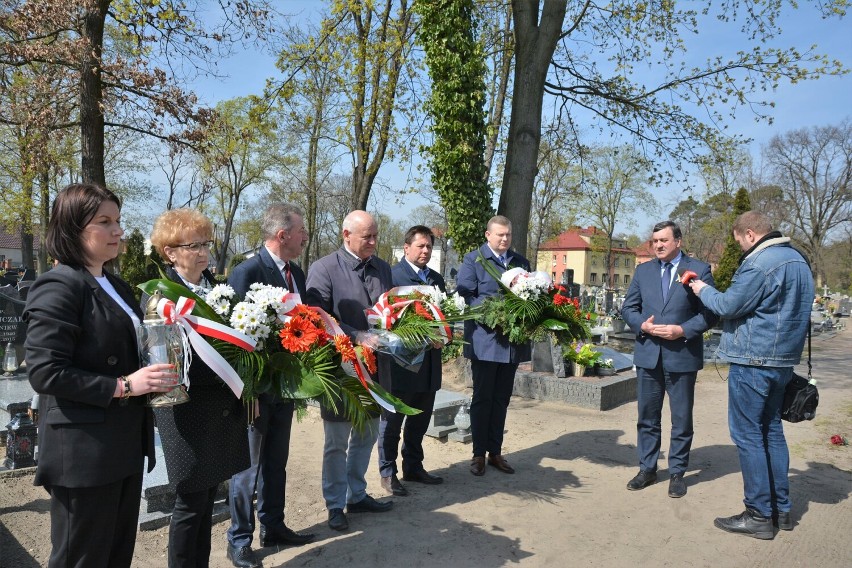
289	277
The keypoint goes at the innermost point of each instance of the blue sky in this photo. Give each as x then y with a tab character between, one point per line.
810	103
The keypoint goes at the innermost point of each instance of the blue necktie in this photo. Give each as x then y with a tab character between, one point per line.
502	261
422	274
667	280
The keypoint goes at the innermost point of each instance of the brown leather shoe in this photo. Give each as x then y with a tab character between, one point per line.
500	463
477	465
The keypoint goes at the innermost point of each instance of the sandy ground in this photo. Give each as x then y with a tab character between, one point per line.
567	504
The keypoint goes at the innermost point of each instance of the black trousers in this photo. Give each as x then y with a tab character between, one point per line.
190	528
412	434
492	390
94	527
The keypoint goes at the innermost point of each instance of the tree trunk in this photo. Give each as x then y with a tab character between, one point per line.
499	97
91	96
43	217
534	48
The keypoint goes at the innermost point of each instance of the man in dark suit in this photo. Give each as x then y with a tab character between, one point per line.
269	434
344	284
669	321
416	389
493	360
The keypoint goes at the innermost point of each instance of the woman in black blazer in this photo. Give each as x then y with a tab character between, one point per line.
204	440
82	358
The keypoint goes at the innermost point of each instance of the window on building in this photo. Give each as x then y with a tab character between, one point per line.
553	276
554	258
593	277
626	279
564	259
615	262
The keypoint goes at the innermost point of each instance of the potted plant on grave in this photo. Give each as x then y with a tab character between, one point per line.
604	368
581	356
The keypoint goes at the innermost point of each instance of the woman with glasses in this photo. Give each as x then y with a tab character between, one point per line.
82	358
204	440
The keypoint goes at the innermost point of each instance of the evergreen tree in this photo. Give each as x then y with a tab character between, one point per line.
731	255
136	266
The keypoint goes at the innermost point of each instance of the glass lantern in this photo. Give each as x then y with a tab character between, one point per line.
462	419
10	360
161	342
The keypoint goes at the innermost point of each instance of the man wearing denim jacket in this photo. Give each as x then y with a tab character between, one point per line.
766	312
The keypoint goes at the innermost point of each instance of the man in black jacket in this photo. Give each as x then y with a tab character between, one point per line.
415	388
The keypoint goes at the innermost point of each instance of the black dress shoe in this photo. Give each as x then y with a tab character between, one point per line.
477	465
677	486
642	480
337	520
243	557
500	463
392	485
283	536
749	522
783	520
422	476
369	505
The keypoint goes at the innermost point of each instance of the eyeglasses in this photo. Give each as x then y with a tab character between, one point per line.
195	247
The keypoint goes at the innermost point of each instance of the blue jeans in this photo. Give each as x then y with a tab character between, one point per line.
755	396
345	459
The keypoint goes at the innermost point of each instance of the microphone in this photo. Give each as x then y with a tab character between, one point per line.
685	275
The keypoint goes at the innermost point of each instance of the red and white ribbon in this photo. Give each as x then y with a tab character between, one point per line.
180	313
384	313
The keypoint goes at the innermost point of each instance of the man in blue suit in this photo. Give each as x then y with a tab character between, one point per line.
493	360
415	388
669	321
269	434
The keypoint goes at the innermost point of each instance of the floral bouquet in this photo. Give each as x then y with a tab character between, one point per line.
299	352
530	307
407	320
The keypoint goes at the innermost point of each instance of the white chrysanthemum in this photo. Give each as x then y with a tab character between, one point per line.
530	286
265	296
436	296
461	305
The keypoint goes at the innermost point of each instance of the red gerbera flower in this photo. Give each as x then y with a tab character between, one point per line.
298	334
560	300
344	346
421	311
369	359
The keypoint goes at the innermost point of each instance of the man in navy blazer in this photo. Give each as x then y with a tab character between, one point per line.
493	360
669	321
416	389
269	434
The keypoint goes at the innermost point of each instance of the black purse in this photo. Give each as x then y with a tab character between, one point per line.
801	396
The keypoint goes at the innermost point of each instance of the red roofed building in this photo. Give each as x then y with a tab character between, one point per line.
584	252
644	253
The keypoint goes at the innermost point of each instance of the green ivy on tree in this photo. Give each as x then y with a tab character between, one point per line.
731	255
456	105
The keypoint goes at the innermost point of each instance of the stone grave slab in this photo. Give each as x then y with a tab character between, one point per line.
447	403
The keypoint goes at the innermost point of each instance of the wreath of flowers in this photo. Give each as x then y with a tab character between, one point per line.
530	307
301	353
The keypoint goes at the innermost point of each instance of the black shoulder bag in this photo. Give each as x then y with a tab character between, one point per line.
801	396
